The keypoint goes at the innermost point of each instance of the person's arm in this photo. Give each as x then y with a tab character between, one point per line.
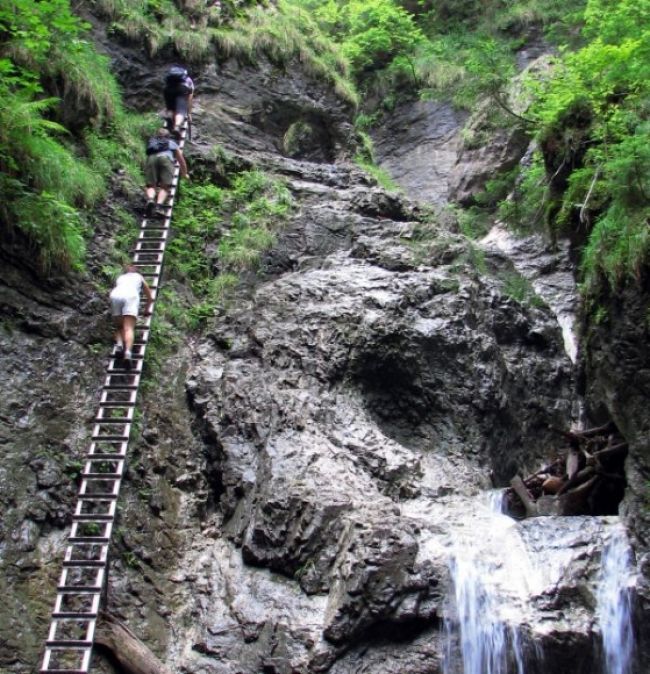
181	162
148	294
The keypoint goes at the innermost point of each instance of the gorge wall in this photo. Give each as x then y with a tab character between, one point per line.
305	464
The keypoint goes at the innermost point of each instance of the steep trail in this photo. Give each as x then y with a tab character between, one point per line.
71	635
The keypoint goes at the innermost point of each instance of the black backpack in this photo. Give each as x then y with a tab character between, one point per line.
175	80
157	144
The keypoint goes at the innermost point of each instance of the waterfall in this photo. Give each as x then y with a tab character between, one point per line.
614	604
490	587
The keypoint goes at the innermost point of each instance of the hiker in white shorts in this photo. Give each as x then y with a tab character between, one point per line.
125	301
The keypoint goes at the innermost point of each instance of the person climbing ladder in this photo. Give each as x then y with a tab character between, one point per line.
159	170
178	93
125	300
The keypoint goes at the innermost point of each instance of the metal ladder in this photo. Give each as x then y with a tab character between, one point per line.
69	644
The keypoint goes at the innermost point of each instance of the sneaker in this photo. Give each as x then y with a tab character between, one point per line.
176	134
149	208
160	211
119	351
127	360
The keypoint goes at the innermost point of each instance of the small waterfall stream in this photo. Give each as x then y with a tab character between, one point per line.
496	575
614	603
489	590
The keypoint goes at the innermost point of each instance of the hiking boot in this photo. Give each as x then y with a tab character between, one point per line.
127	360
160	211
119	351
149	208
176	134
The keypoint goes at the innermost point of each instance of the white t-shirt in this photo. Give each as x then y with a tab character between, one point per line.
128	285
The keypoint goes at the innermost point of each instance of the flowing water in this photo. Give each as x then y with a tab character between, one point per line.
498	566
490	586
614	603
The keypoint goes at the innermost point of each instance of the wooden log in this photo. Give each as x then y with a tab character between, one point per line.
620	449
576	501
580	477
520	489
129	652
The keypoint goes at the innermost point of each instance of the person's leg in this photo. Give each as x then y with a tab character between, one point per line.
180	111
128	330
118	336
165	169
170	104
117	305
163	192
150	182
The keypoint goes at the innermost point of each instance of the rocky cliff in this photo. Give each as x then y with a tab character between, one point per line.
306	465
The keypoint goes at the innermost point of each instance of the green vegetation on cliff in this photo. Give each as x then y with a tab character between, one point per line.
220	233
62	127
593	117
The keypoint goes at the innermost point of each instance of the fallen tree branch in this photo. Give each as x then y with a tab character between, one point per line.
620	449
520	489
580	477
131	654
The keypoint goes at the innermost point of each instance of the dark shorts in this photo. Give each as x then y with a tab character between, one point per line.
159	170
176	102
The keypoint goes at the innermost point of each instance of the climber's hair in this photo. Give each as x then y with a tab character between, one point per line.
162	132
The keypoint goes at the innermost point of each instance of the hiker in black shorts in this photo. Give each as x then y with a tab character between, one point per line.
159	170
178	93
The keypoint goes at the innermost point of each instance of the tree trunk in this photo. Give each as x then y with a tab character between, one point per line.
131	654
520	489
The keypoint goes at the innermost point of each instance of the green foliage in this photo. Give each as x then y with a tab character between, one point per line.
261	204
376	31
297	136
520	289
593	117
445	49
51	79
243	218
283	33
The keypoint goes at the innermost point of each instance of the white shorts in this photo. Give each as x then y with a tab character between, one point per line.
124	306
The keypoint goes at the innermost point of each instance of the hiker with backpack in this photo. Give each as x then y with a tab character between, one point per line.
159	170
178	92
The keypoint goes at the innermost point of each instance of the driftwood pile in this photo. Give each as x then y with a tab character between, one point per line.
585	478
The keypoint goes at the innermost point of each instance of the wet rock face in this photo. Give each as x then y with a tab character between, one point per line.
617	372
341	391
417	144
49	336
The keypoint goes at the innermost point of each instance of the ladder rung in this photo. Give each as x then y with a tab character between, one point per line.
96	450
155	247
142	267
106	456
110	384
91	610
162	231
70	643
105	410
51	652
150	257
83	491
109	511
89	539
79	547
114	368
